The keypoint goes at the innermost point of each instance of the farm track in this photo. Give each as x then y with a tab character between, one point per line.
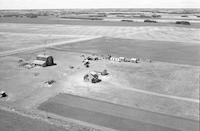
7	53
163	95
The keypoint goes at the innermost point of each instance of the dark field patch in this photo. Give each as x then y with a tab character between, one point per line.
172	52
107	114
14	122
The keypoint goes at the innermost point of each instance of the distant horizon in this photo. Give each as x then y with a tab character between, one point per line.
92	8
96	4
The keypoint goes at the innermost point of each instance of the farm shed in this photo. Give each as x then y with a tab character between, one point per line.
43	60
3	94
115	59
122	58
134	60
127	60
107	57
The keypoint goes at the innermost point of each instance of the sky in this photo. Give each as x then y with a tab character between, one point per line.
56	4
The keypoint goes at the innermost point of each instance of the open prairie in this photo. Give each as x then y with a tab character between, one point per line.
158	95
176	34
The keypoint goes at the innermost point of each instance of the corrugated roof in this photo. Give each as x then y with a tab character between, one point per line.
38	62
43	56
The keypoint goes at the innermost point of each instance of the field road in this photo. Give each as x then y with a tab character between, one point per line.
6	53
163	95
115	116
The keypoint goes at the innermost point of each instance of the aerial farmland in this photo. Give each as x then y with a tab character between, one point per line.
68	72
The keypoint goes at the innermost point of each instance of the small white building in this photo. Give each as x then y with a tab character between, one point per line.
122	59
115	59
134	60
127	60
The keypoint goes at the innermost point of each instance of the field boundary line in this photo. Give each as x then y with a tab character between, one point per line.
44	34
162	95
54	119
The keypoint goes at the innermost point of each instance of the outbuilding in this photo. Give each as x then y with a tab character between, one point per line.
44	60
115	59
122	59
127	60
134	60
3	94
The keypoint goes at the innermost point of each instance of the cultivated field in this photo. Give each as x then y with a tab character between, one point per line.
111	115
165	51
103	17
176	34
159	95
12	41
132	91
13	122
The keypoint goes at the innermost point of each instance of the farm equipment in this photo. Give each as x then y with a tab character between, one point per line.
91	77
104	73
3	94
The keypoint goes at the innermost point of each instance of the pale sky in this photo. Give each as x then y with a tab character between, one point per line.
54	4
